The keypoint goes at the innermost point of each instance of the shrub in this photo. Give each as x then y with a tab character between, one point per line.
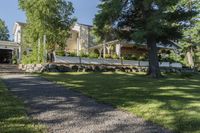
107	56
14	60
131	57
93	55
60	53
82	54
143	58
33	57
72	54
29	59
115	56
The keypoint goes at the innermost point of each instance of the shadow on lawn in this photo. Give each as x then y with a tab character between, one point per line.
62	110
13	118
173	101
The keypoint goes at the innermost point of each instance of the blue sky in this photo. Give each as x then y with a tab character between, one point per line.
84	11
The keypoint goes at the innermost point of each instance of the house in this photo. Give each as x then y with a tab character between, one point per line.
9	51
79	41
82	41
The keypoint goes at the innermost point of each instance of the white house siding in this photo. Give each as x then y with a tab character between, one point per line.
71	45
17	34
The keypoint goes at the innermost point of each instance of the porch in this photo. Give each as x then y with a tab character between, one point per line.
130	49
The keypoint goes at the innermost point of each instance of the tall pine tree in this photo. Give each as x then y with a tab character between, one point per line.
149	21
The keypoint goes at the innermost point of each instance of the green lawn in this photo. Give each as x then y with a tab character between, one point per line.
172	102
13	118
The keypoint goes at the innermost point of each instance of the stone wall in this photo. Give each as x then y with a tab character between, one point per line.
33	67
55	67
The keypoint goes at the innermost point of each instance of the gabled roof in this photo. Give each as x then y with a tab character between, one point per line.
22	24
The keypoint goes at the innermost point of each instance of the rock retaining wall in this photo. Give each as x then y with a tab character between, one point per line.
38	68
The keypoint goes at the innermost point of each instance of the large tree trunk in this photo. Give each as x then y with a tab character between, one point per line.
154	70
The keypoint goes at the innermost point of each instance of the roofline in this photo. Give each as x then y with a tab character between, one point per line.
15	26
21	23
9	43
85	25
131	43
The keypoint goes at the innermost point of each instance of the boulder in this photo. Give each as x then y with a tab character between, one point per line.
74	68
63	68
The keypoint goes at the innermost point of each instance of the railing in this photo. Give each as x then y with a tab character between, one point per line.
80	60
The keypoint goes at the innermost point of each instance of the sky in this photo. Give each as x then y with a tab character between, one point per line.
85	11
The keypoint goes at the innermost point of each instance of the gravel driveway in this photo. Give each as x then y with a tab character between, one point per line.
66	111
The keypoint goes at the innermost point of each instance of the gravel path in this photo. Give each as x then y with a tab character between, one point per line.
66	111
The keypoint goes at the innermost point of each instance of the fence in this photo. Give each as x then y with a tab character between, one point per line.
80	60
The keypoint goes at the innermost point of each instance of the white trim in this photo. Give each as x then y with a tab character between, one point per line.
9	44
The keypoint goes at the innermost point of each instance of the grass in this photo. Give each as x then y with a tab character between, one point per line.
13	118
172	102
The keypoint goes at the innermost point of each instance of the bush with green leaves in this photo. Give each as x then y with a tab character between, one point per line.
14	59
107	56
130	57
115	56
35	57
72	54
60	52
82	54
143	58
93	55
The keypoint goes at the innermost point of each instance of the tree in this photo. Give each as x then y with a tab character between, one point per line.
52	18
191	40
191	43
4	33
149	21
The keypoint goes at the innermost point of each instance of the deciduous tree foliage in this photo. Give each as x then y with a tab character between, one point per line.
149	21
4	33
52	18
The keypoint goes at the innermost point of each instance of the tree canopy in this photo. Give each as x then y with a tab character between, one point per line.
149	21
52	18
4	33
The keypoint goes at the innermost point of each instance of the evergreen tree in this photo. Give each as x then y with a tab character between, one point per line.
52	18
4	33
191	40
149	21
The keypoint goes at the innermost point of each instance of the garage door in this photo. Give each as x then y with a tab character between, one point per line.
5	56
